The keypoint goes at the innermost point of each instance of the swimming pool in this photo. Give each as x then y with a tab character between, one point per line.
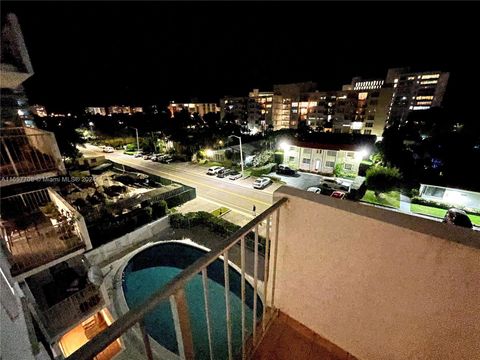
152	268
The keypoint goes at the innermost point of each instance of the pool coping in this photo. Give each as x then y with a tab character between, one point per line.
118	304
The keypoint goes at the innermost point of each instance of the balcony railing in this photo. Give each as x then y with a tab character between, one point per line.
174	292
38	227
74	308
28	152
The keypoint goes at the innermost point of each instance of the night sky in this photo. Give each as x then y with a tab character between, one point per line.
152	52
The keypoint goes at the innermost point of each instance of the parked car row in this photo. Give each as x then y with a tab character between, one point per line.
163	158
221	172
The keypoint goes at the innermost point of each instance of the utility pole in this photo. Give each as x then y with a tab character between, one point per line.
241	152
138	143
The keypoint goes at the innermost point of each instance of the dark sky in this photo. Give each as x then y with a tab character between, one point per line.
152	52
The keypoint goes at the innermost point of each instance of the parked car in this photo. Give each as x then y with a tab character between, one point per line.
285	170
314	189
214	170
234	175
332	183
166	159
147	156
108	149
138	154
457	217
338	194
262	183
223	173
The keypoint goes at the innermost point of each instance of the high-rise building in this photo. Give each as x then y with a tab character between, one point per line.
47	299
413	91
15	69
235	108
259	110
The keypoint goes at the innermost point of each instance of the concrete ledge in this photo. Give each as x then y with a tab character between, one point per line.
456	234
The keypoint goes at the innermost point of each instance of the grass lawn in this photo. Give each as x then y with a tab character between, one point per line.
220	211
390	199
439	213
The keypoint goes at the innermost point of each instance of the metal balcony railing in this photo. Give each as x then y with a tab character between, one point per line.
28	152
174	292
37	227
72	309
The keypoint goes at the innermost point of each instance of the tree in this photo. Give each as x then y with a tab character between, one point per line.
382	179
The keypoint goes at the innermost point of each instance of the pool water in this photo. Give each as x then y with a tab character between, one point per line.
152	268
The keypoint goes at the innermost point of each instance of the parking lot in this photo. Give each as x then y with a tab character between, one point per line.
300	180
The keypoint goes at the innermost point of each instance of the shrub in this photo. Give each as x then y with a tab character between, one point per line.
382	179
159	209
181	198
262	170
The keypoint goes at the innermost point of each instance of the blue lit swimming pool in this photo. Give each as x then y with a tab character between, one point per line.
152	268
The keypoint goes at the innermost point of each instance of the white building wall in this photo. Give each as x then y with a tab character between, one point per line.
379	284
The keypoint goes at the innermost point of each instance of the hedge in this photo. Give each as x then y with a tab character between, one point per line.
262	170
181	198
217	225
441	205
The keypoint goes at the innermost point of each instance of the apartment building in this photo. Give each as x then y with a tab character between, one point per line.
96	110
235	108
259	109
194	107
323	158
16	68
415	91
48	304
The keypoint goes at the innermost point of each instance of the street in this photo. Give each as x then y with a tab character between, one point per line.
237	195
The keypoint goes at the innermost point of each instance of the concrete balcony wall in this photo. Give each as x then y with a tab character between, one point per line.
379	284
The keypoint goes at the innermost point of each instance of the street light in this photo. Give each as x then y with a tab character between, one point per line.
241	153
136	133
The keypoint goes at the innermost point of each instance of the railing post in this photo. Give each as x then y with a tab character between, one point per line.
183	330
242	261
255	283
266	274
275	251
207	312
146	340
227	303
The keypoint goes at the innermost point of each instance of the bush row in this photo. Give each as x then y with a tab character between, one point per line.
262	170
217	225
441	205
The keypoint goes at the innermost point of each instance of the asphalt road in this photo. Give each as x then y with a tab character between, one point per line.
238	195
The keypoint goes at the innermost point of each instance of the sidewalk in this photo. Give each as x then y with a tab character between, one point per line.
405	202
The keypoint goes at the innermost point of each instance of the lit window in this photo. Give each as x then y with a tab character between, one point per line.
430	76
348	167
425	97
421	107
428	82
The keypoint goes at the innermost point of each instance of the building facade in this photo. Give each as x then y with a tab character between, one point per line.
198	108
92	110
39	110
323	158
234	108
415	91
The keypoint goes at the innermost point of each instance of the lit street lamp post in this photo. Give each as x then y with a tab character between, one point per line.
138	143
241	153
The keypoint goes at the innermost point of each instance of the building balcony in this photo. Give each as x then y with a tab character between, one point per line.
341	280
28	153
62	296
39	228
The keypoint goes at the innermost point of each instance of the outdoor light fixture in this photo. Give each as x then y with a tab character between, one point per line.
362	154
209	152
284	145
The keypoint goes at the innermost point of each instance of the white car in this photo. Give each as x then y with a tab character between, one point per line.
261	183
108	149
315	190
235	175
214	170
